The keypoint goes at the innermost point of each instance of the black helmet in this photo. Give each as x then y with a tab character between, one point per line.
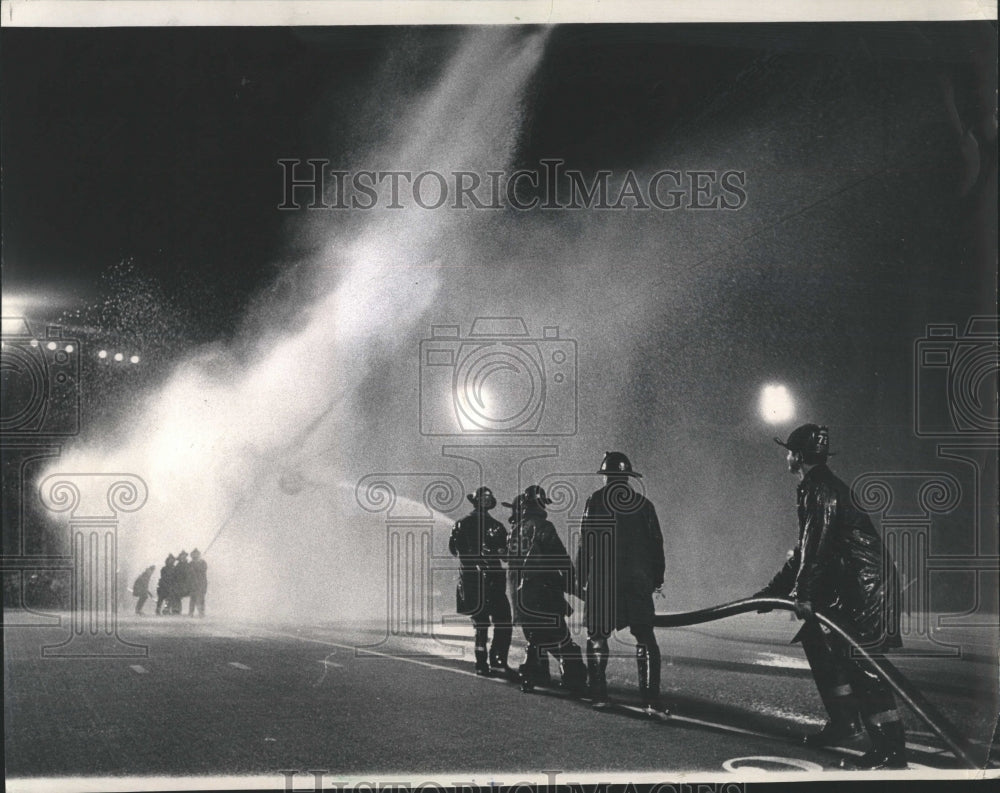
170	558
483	497
535	494
515	507
811	440
617	464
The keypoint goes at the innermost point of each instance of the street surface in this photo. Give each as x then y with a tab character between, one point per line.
217	697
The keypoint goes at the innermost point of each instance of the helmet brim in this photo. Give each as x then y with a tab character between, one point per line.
636	474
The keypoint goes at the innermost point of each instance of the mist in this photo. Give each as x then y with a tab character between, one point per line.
252	449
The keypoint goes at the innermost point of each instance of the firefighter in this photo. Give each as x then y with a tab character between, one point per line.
199	583
840	568
140	588
165	585
480	542
619	565
545	574
182	583
536	658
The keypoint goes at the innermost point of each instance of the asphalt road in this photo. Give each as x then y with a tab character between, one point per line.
214	697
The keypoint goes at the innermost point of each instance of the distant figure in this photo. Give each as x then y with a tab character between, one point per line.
182	583
619	565
539	602
140	588
199	583
480	542
165	586
839	568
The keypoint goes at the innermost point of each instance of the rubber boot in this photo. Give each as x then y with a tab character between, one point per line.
543	673
528	671
482	664
597	664
647	659
574	673
888	747
844	724
499	649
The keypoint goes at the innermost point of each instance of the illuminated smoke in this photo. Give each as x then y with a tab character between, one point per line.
259	439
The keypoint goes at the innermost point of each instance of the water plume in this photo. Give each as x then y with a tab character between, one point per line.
250	449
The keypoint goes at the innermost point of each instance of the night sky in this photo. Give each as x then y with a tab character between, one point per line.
160	145
141	184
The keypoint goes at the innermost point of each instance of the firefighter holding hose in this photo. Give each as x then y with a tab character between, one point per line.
840	568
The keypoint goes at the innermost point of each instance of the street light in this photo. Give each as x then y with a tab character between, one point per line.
776	404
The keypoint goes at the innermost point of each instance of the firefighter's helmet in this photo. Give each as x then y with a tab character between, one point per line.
809	439
483	498
535	494
617	464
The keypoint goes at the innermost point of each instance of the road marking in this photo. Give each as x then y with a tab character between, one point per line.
673	717
738	764
387	655
141	670
238	665
327	663
781	661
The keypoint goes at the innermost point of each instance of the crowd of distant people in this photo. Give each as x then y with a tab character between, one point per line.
180	577
44	589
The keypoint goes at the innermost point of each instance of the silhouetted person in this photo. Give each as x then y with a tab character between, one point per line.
165	585
140	588
545	573
199	583
536	662
839	568
619	565
182	583
480	542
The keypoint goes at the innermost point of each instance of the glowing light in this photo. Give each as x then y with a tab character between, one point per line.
51	345
119	357
34	342
69	348
776	404
102	354
134	359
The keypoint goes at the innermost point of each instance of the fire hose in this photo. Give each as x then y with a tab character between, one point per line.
905	690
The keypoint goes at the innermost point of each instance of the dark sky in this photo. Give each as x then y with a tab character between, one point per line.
160	145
